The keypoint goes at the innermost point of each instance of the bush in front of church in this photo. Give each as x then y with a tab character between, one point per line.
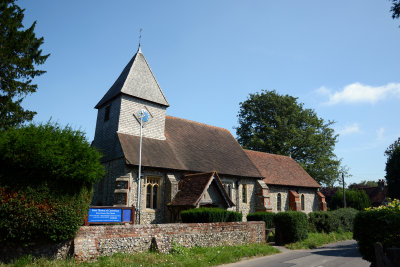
332	221
346	217
209	215
290	226
267	217
323	221
46	178
380	224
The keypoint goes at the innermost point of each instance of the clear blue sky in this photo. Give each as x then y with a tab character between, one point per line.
340	58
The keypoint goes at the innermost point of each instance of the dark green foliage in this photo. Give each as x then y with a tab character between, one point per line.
267	217
346	218
378	225
395	9
208	215
41	213
290	226
356	199
363	183
323	221
393	169
19	53
332	221
278	124
234	216
32	154
46	177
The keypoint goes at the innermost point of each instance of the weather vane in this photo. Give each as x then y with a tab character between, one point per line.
140	35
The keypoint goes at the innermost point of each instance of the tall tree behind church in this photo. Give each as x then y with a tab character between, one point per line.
20	53
278	124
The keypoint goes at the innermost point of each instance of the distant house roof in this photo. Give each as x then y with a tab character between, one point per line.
191	146
193	186
136	80
281	170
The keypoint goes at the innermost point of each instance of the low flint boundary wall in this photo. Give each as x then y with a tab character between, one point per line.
94	241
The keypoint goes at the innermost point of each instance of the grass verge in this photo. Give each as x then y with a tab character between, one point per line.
179	256
315	240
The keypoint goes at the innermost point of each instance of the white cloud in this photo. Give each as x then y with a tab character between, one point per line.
350	129
360	93
323	91
379	133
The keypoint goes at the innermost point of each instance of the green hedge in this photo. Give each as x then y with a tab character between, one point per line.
332	221
346	218
290	226
356	199
46	177
267	217
208	215
323	221
377	225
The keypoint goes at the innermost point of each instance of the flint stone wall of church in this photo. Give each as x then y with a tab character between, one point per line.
150	216
94	241
311	202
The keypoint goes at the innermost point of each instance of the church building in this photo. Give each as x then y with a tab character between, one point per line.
185	164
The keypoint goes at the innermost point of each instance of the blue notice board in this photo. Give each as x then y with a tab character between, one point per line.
126	217
98	215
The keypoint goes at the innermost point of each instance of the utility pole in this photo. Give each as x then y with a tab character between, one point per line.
143	117
344	192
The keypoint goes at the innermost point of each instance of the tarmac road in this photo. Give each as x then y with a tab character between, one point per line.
343	254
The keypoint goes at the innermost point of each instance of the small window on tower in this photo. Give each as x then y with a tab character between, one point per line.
107	113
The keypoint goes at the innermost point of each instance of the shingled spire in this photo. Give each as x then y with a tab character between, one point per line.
136	80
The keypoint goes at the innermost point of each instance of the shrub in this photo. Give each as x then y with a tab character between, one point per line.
346	218
380	224
46	177
234	216
356	199
290	226
267	217
208	215
323	221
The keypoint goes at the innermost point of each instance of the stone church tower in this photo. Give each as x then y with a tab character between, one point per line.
136	88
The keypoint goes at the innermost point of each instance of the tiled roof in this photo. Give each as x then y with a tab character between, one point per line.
136	80
192	187
191	146
281	170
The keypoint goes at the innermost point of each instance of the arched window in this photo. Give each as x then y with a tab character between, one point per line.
148	196
279	202
302	202
244	193
155	189
152	184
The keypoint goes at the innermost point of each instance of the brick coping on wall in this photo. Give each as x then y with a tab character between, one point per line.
94	241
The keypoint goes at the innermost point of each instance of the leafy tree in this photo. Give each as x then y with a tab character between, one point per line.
395	9
278	124
363	183
46	178
356	199
19	53
393	169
